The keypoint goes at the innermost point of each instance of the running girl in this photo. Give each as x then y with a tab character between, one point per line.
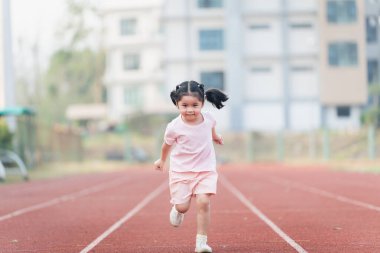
188	138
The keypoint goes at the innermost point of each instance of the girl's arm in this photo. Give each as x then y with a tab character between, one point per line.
165	150
216	137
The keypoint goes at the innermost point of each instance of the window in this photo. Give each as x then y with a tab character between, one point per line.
211	39
259	26
131	61
373	71
371	29
341	11
210	3
128	27
343	54
302	68
343	111
301	26
373	1
132	96
213	79
261	69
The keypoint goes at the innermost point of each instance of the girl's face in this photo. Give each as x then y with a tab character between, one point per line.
190	109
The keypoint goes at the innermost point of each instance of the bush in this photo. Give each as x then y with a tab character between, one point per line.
5	136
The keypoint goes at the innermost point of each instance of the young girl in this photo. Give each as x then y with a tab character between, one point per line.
192	160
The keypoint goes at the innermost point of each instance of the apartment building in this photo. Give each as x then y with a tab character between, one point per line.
134	46
343	64
373	44
286	64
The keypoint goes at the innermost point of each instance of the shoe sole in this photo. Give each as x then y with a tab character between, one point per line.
202	251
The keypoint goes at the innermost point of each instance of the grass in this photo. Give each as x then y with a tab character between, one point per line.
350	165
365	166
63	169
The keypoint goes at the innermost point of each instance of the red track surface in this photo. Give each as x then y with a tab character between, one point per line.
258	209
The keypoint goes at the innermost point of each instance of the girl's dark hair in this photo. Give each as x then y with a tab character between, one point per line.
192	88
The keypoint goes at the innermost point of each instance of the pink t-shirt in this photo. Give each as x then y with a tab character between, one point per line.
192	149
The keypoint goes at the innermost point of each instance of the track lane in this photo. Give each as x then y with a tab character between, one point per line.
345	184
317	223
70	226
233	229
14	199
320	224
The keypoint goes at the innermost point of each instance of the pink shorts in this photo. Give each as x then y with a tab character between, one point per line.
184	185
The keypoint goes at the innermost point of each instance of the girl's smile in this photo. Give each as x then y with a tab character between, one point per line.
190	109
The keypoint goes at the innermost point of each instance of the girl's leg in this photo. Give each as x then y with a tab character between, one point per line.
203	213
183	208
177	213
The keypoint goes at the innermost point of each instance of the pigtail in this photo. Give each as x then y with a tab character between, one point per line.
216	97
192	88
174	96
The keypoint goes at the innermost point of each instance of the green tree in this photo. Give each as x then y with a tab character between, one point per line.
5	136
74	71
371	115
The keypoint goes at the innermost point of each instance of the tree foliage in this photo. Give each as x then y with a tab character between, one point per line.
74	72
5	136
371	115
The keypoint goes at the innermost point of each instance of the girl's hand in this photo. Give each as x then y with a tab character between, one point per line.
159	165
218	139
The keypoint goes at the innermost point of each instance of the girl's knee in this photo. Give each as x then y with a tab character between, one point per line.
183	208
203	201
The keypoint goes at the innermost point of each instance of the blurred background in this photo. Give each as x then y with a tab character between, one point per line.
88	81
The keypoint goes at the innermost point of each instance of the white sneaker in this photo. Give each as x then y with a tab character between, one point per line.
201	244
176	217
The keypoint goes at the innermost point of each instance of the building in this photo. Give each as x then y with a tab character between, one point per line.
286	64
373	45
343	64
134	73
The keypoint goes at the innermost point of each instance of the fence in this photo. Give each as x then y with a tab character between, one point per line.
245	147
314	145
57	143
67	144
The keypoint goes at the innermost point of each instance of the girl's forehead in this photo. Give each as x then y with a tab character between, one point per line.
190	99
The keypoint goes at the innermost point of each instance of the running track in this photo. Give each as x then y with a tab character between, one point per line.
259	208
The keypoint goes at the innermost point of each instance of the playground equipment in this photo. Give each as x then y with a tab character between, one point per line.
11	162
14	161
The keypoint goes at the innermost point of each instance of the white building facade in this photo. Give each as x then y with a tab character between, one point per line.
134	51
267	55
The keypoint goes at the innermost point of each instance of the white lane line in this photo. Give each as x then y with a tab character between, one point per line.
63	198
126	217
262	216
42	185
325	193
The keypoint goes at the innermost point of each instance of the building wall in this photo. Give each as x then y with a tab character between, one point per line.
373	12
139	89
343	85
275	63
373	48
281	76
